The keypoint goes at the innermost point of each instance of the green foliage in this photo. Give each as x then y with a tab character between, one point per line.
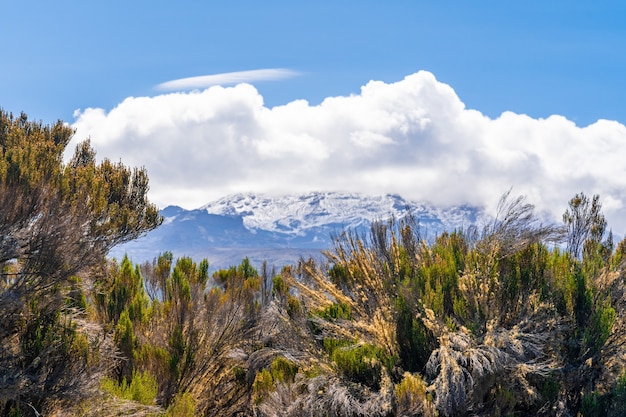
153	359
187	278
599	328
593	405
620	388
178	351
330	344
202	272
361	363
438	274
243	272
126	293
583	306
283	370
294	307
550	388
562	284
279	286
263	385
126	341
183	405
42	330
335	311
143	388
617	405
412	397
76	298
415	341
240	374
15	412
611	403
339	275
58	221
521	274
246	270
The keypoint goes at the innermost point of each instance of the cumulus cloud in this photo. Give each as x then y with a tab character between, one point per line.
227	78
414	137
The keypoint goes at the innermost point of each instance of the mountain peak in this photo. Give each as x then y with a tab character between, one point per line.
296	214
282	229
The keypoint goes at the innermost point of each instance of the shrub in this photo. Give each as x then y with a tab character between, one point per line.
335	311
279	286
599	329
263	384
183	405
415	341
143	388
240	374
412	398
593	405
331	344
550	388
283	370
293	306
361	363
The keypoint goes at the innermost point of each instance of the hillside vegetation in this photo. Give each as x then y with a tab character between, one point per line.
513	318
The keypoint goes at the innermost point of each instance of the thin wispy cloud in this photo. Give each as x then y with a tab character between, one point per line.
226	78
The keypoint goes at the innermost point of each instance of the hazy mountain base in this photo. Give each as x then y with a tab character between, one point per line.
222	258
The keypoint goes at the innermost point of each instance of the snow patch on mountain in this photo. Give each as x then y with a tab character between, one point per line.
298	214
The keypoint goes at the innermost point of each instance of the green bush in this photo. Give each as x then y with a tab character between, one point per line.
617	406
415	341
412	396
283	370
599	329
361	363
240	374
279	286
263	384
293	306
143	388
331	344
339	275
550	388
593	405
183	405
336	311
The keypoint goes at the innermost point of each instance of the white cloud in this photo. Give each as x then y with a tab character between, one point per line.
227	78
413	137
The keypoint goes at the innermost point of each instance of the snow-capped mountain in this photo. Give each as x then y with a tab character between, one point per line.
298	214
281	229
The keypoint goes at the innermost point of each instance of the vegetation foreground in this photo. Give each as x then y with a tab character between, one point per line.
517	318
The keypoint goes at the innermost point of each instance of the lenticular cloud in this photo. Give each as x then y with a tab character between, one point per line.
413	137
204	81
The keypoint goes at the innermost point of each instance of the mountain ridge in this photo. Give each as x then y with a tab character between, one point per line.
299	224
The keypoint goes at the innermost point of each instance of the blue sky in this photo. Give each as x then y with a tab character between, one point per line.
448	102
533	57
